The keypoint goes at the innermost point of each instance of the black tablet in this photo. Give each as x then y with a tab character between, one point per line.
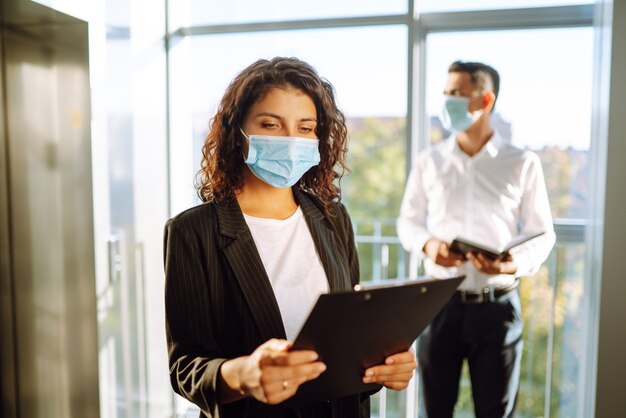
352	331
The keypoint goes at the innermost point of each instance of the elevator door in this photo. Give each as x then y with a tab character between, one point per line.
49	356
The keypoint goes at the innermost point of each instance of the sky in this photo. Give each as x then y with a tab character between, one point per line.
545	79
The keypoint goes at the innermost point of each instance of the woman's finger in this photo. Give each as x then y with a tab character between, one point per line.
403	357
276	391
396	385
384	379
293	358
279	393
384	372
306	372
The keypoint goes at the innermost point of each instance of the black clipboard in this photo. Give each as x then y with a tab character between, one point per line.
352	331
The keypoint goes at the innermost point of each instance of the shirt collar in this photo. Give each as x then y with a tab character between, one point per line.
491	148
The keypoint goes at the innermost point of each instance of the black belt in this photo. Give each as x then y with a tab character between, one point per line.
486	295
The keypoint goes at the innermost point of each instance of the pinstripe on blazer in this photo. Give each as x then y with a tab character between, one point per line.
219	302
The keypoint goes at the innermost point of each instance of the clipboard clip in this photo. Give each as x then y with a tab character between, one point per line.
366	295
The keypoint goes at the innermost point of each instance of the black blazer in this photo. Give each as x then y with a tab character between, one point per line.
219	302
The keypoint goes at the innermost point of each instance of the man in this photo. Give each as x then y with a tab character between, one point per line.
476	186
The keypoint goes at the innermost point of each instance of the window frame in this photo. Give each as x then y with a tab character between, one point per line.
419	26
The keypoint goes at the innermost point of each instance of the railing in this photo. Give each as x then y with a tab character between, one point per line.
550	301
379	247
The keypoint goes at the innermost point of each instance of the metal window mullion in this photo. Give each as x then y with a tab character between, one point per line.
570	230
554	283
398	19
538	17
418	134
416	99
168	163
376	249
410	73
382	403
168	114
594	235
411	111
422	118
528	18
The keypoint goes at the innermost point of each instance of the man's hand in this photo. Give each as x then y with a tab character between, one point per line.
439	252
504	265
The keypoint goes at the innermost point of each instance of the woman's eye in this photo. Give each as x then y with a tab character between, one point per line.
268	125
306	129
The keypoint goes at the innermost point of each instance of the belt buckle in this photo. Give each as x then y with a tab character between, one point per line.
486	295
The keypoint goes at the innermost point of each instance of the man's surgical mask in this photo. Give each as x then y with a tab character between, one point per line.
281	161
455	114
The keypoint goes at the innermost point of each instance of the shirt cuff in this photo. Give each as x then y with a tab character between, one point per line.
525	266
419	242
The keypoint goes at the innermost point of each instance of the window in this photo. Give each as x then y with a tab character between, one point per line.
202	12
368	72
544	105
363	49
458	5
544	102
367	66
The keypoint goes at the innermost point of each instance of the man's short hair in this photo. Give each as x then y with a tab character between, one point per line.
483	76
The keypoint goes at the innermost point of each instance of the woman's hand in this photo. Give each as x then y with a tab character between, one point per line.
271	374
395	373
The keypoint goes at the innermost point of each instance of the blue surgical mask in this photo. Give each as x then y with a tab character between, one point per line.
281	161
455	114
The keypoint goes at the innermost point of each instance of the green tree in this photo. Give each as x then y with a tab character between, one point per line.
377	159
373	190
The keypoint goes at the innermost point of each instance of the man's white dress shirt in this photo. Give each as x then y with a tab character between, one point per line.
489	198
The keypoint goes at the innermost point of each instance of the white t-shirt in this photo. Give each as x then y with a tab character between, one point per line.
295	271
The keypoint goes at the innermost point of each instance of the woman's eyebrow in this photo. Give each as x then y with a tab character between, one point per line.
273	115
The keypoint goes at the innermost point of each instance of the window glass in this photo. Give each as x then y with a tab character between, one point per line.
544	102
129	165
202	12
369	75
544	105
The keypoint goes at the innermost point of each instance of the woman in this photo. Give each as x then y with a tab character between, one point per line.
244	269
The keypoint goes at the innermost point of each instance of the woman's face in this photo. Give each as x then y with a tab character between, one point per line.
282	112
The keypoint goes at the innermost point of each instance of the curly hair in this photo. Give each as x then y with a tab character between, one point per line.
222	169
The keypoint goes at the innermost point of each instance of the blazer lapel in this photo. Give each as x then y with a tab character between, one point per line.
333	257
236	241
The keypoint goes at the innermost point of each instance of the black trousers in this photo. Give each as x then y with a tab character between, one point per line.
489	336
